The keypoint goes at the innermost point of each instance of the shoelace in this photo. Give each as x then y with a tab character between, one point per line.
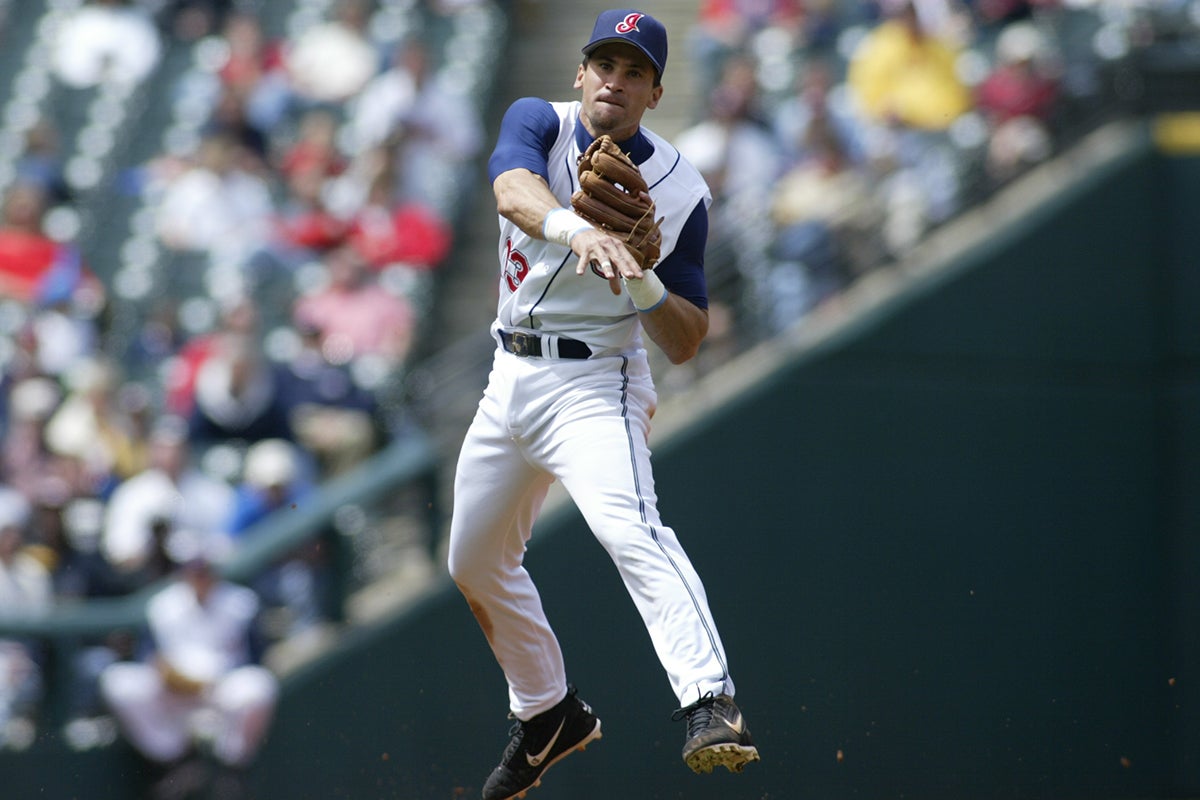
517	732
699	714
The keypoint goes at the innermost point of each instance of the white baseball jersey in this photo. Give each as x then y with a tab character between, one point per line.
203	640
539	290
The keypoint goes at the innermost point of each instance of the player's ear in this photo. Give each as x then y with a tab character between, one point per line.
655	95
579	75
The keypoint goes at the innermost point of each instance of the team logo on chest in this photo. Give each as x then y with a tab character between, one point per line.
629	24
515	267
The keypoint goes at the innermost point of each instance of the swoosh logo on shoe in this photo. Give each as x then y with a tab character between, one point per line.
535	760
738	724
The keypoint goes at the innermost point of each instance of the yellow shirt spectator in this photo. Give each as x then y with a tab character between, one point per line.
900	73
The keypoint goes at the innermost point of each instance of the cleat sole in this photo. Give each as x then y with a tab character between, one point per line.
733	757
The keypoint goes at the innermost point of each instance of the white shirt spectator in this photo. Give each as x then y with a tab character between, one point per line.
216	207
195	504
105	41
375	111
196	507
330	62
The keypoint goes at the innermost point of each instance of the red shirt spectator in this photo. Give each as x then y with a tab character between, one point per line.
1025	82
409	233
33	267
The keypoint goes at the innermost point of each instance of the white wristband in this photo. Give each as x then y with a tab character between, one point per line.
561	225
646	292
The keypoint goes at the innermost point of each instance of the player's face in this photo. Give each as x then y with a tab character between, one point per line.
617	83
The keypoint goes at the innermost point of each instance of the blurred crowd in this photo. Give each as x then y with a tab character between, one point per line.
299	229
837	133
313	208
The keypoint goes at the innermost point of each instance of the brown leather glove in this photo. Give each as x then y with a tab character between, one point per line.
613	196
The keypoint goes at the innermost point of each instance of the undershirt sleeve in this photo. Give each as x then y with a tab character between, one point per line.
682	272
527	132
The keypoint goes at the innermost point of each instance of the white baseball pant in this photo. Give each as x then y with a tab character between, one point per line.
162	724
584	422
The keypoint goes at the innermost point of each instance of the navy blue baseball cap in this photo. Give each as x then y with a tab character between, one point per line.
631	27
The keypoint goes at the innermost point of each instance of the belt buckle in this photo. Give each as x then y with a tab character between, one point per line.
523	344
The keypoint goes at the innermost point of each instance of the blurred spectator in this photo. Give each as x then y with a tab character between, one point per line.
215	206
238	395
331	61
334	417
738	155
41	164
1019	98
388	232
106	41
200	681
435	128
275	479
375	112
104	436
189	20
26	253
355	314
305	227
25	590
902	74
998	13
238	317
253	72
727	28
31	263
733	146
824	207
826	216
68	532
65	324
315	148
230	117
249	56
818	102
904	82
172	506
28	463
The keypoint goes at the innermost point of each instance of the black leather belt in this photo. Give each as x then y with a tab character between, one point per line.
523	344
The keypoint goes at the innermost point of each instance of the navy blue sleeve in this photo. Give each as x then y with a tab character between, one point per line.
682	272
527	132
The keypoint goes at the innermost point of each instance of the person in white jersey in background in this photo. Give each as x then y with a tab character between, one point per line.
570	397
200	679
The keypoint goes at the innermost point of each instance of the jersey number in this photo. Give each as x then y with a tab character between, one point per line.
516	266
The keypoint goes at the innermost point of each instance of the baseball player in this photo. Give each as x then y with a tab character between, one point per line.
201	670
570	397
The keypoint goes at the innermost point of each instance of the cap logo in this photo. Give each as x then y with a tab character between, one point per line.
629	24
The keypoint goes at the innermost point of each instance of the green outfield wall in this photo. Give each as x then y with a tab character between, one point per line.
954	555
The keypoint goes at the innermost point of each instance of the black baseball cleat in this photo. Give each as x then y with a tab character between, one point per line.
538	744
717	735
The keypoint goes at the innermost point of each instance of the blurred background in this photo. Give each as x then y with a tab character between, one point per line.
247	265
